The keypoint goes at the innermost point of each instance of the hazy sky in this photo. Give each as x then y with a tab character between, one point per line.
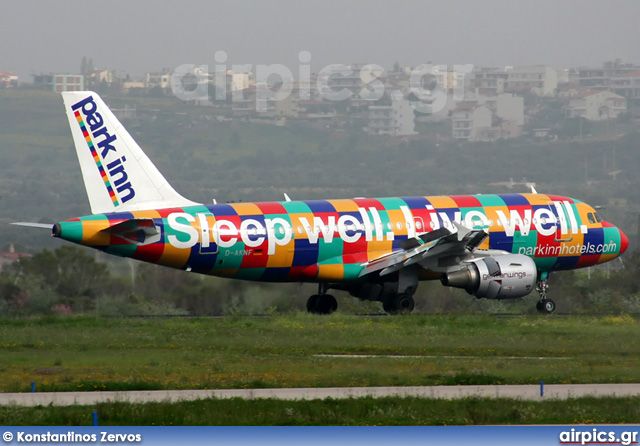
138	36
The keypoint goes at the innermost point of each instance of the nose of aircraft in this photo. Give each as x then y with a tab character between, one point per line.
624	242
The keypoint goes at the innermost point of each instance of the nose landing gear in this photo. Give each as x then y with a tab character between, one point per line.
544	305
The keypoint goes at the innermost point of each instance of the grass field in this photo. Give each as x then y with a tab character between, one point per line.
299	350
84	353
363	411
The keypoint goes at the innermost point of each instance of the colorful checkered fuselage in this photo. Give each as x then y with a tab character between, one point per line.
330	240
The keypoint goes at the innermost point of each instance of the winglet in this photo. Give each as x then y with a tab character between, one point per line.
286	197
461	230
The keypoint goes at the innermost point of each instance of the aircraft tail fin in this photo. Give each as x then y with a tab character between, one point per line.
117	175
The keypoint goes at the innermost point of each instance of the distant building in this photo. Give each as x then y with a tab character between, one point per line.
162	80
353	82
244	102
627	85
100	76
596	105
287	107
128	85
510	107
621	78
239	81
570	90
8	79
488	80
466	120
59	82
397	119
261	101
541	80
7	258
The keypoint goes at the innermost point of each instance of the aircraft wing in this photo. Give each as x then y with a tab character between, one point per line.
438	244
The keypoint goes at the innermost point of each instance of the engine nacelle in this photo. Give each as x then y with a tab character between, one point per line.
501	277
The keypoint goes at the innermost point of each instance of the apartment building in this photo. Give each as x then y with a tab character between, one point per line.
59	82
488	80
397	119
596	105
541	80
8	79
466	120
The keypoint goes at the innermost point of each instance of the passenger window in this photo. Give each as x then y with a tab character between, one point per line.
399	225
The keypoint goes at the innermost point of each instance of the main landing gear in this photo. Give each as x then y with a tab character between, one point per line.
544	305
398	303
322	303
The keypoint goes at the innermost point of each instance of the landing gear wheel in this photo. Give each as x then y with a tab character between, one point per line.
311	303
322	304
402	303
546	306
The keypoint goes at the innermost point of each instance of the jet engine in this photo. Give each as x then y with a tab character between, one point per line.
501	277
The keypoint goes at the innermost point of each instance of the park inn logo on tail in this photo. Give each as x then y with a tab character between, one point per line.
95	133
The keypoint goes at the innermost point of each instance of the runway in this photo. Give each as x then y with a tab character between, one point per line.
524	392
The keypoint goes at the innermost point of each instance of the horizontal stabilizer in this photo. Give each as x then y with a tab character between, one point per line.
34	225
139	231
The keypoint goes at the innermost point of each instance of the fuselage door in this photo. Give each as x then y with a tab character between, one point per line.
563	229
206	222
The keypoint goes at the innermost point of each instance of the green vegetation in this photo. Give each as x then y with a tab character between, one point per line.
70	280
362	411
299	350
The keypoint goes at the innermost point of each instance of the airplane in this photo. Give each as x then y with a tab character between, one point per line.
376	249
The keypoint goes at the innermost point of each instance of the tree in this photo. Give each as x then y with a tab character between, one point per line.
156	92
69	272
575	127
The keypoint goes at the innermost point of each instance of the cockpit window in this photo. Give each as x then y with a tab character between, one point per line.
598	218
591	217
